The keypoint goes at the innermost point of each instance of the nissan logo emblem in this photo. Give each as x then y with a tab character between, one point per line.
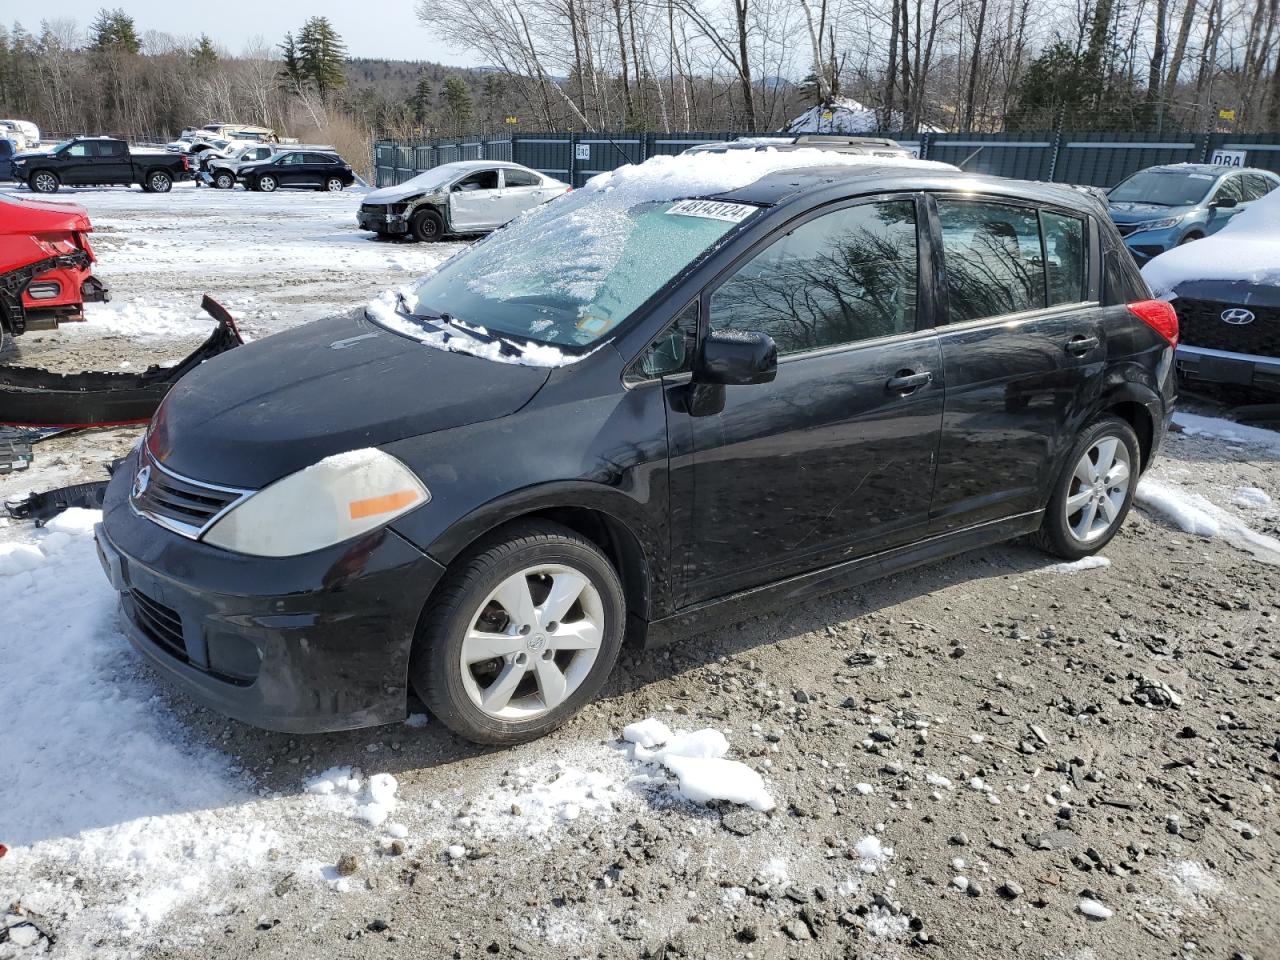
141	481
1237	316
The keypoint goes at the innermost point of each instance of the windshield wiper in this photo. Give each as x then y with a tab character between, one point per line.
448	323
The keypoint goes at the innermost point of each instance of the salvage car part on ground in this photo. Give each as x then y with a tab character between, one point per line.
44	506
15	454
33	397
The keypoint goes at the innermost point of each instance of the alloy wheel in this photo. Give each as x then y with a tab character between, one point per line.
532	642
224	181
160	183
267	184
1098	488
45	183
334	185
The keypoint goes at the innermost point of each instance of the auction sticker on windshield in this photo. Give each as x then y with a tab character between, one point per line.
712	210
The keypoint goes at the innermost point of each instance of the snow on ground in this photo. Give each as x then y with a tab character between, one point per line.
1246	249
1195	514
1197	425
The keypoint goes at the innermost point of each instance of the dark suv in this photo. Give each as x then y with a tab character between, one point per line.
306	169
659	402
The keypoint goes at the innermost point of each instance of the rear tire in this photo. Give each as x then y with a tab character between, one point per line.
528	666
1093	492
334	185
44	181
159	182
427	226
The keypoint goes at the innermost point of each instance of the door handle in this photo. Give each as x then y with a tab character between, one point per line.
908	381
1079	344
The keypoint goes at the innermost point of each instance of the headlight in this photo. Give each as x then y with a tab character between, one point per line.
1157	224
340	497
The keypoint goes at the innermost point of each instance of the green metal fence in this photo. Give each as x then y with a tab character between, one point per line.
1066	156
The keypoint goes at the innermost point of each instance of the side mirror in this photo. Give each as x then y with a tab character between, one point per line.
735	357
1224	203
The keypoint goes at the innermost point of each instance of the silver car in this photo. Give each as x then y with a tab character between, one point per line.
467	197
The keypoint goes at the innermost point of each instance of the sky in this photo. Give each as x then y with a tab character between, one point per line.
371	28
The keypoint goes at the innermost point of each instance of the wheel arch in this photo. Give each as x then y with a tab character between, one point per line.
1141	408
605	517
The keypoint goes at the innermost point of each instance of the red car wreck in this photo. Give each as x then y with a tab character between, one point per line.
45	264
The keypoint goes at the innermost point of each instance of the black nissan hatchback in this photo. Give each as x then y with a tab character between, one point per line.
691	390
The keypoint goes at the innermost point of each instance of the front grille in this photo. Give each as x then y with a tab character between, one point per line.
163	625
375	208
1200	324
185	506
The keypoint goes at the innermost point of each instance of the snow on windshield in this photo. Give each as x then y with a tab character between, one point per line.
1247	249
582	251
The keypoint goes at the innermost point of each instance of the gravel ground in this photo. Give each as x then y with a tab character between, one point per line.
982	758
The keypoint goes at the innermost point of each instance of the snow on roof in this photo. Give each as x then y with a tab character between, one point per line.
1247	249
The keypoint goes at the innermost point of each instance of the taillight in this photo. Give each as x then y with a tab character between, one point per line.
1160	316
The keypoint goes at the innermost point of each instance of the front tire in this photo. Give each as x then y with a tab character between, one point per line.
426	226
44	181
224	181
1094	491
521	634
266	183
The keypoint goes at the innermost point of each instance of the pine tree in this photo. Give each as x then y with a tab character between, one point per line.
322	56
113	31
290	73
204	52
457	104
423	100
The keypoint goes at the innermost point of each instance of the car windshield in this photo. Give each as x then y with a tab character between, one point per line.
1167	188
573	270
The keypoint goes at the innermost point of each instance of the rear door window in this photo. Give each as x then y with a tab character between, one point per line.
1257	186
520	178
1064	257
842	277
993	259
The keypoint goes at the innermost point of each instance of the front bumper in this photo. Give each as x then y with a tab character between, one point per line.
302	644
1224	366
383	222
1145	245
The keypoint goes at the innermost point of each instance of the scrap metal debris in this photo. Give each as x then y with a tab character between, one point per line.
33	397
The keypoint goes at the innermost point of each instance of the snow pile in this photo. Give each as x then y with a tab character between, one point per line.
1251	498
111	816
872	854
346	791
1194	514
1076	566
698	761
383	311
144	323
1095	910
1195	425
534	800
840	115
1247	249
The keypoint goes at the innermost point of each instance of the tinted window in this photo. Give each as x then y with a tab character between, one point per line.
520	178
845	276
111	148
1064	248
1232	187
79	150
1257	186
992	254
482	180
672	350
321	158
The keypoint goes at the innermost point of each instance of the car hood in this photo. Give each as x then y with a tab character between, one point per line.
263	411
30	154
395	194
1234	292
1132	212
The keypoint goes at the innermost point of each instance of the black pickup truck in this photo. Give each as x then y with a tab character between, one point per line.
99	161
